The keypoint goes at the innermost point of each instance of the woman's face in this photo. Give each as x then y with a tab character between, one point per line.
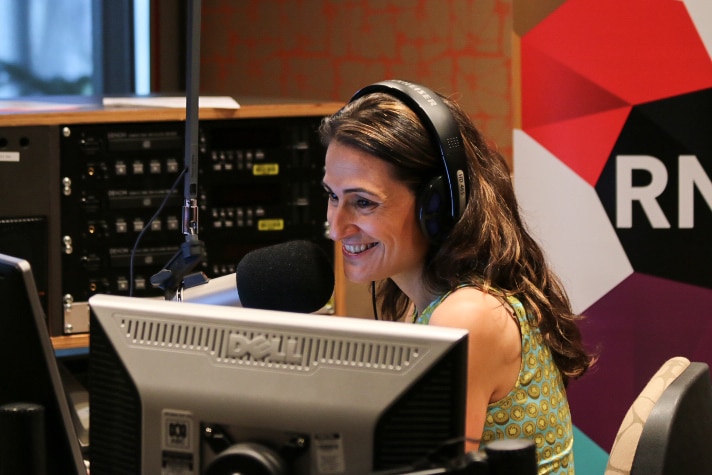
373	215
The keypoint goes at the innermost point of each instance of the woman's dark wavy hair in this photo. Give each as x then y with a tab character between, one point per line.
489	246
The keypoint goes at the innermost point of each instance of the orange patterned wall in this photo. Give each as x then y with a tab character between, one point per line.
327	49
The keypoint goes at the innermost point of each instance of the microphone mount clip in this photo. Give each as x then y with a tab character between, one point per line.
180	267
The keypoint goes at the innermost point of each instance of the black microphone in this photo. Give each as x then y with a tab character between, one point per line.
296	276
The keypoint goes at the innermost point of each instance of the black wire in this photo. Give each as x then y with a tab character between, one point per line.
373	300
148	225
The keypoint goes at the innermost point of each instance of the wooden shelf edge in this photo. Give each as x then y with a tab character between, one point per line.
68	342
88	116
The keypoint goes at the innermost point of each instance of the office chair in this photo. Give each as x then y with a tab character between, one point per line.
668	428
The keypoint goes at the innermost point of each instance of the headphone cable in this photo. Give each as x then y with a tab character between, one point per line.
373	299
148	225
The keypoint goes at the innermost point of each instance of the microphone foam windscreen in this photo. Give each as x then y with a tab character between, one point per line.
296	276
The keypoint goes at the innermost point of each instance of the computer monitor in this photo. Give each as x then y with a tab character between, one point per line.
205	389
28	367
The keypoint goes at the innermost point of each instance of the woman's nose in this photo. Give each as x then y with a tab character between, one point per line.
338	223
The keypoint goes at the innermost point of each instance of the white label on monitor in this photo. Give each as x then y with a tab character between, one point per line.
177	430
176	454
9	156
329	453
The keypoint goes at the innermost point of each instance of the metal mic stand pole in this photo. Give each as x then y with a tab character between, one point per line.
192	251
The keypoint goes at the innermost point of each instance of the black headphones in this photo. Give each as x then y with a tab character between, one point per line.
444	198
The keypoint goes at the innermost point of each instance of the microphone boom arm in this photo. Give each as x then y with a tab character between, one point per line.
192	251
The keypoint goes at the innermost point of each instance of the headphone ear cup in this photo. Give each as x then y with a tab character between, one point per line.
433	215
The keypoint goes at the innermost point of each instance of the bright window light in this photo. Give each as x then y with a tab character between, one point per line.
142	46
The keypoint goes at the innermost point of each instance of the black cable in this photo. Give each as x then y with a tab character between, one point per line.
148	225
373	300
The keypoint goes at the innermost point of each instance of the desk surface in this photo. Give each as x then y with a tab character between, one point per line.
67	342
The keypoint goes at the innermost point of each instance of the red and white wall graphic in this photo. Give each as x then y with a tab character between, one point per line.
613	168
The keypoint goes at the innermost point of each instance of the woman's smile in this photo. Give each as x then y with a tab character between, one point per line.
356	249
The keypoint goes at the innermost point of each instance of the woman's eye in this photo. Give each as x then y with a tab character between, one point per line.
364	203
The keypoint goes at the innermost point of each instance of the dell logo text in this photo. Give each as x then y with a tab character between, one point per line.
275	349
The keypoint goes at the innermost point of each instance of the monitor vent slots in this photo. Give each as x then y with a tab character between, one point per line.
277	349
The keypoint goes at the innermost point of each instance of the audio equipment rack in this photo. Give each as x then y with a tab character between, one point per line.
77	187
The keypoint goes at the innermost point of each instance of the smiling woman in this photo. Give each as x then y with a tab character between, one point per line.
425	210
370	212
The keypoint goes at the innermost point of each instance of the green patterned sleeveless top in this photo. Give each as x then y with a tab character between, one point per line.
537	407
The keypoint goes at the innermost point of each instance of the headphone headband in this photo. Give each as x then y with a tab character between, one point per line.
443	129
